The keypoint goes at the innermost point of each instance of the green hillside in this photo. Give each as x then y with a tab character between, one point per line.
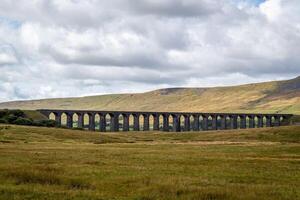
276	96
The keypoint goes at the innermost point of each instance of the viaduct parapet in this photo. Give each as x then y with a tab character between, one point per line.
162	121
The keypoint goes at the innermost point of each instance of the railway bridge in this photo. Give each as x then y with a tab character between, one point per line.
162	121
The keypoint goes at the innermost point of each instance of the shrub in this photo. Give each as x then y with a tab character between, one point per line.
3	121
3	113
11	118
17	113
295	119
18	117
23	121
47	123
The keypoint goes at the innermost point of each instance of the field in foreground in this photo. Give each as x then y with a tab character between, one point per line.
49	163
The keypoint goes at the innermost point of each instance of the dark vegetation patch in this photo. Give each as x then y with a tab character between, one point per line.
289	89
78	184
169	91
293	84
46	175
18	117
6	141
295	119
25	176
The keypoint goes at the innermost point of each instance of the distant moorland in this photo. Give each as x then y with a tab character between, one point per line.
273	97
50	163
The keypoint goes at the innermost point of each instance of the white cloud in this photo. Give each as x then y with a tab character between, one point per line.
74	48
272	9
7	58
30	35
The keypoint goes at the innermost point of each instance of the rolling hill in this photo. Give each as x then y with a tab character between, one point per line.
274	97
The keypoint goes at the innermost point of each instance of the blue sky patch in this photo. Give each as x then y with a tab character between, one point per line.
253	2
14	24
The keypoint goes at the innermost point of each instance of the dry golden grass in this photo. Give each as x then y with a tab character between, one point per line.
50	163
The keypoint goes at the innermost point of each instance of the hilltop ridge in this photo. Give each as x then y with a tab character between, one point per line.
274	97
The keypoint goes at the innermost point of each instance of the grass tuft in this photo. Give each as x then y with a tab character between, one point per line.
34	176
79	184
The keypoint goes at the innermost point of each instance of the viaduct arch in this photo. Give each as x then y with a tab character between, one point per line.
115	121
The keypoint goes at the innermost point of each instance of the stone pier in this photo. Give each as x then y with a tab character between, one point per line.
121	121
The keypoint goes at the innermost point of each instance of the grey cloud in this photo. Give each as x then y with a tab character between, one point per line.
178	8
135	59
85	14
76	47
148	49
119	74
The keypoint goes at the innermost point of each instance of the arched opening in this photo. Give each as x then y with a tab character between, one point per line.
171	125
151	122
97	122
192	123
228	122
52	116
248	122
161	122
257	121
210	123
264	121
186	123
131	120
201	123
282	121
219	120
141	122
121	122
75	120
273	121
182	121
64	119
86	121
108	121
260	121
238	120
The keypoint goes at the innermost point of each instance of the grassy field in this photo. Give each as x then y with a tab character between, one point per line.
49	163
269	97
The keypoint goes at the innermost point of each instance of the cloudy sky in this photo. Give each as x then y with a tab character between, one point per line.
60	48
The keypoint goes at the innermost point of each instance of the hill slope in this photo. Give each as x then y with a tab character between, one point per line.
276	96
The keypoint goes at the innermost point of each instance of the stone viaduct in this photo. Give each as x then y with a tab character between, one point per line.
165	121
